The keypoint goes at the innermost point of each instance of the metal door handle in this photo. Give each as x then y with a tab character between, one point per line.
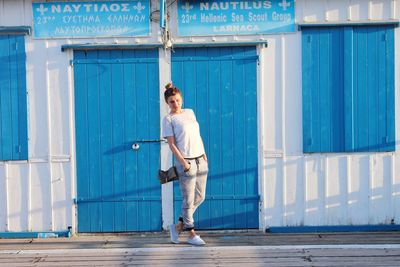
136	143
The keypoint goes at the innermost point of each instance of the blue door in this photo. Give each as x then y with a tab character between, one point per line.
117	103
220	85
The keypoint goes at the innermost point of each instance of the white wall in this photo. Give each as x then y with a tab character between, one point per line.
296	189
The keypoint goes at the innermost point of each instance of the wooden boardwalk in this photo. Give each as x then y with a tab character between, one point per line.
223	249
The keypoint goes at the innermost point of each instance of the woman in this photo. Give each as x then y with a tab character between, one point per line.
182	132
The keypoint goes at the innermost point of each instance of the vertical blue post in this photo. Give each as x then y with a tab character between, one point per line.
162	7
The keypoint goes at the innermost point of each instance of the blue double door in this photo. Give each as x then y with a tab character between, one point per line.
117	103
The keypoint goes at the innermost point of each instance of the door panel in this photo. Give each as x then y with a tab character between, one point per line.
117	103
220	85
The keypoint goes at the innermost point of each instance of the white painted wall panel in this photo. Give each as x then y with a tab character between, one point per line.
62	196
359	10
358	188
380	205
379	9
313	10
57	65
13	13
395	194
343	10
18	197
294	190
3	197
293	95
40	197
274	199
273	96
37	99
2	10
337	10
336	190
314	188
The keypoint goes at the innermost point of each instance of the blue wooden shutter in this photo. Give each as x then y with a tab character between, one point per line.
323	89
373	89
348	89
13	109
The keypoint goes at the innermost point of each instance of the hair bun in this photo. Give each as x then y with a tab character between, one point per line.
169	86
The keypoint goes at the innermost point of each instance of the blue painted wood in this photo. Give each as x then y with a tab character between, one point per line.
390	138
5	99
323	96
116	103
19	30
337	135
346	107
13	109
240	142
95	209
307	83
14	96
361	96
22	99
66	233
311	91
348	74
81	122
373	83
381	96
106	129
219	84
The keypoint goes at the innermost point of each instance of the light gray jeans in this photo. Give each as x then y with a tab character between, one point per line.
193	188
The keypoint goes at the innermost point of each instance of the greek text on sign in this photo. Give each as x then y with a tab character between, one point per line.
223	17
85	19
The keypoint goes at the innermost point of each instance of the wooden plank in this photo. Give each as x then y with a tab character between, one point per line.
18	201
336	190
380	204
41	201
314	190
273	200
358	189
250	256
294	190
61	187
3	197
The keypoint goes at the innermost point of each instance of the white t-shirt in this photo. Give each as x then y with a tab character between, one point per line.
185	128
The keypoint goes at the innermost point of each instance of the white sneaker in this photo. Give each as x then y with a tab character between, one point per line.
196	240
173	234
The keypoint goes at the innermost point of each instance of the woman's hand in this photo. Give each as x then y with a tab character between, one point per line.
186	166
205	158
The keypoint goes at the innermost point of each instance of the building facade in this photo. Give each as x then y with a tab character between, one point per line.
297	103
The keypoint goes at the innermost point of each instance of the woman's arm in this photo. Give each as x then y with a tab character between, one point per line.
177	153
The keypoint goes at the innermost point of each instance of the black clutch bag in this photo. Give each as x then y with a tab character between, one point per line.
168	176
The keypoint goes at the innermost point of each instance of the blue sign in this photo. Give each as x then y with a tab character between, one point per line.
222	17
88	18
